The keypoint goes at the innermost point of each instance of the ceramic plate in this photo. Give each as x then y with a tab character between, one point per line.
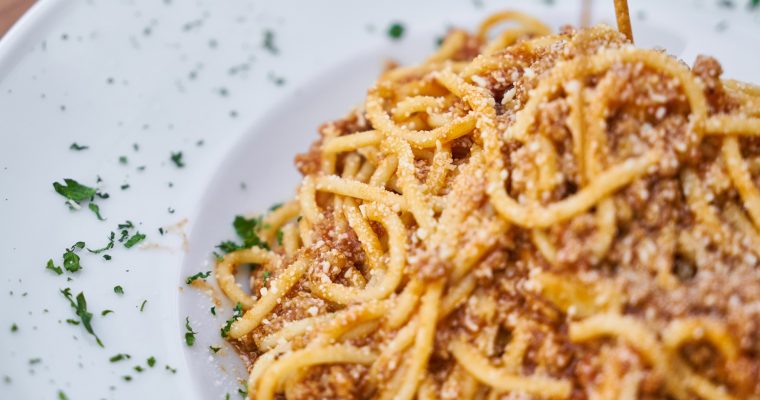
191	113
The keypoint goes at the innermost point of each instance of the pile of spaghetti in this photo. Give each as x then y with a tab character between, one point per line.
533	215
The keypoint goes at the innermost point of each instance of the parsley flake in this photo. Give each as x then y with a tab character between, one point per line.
269	42
108	246
199	275
151	361
76	147
14	328
213	310
105	312
80	307
51	266
74	191
396	31
236	314
118	289
136	238
62	396
142	306
95	209
71	259
190	334
177	159
119	357
214	349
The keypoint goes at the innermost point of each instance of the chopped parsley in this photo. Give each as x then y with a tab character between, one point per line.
138	368
62	396
95	209
76	147
74	191
279	237
71	259
51	266
199	275
177	159
14	328
123	160
170	369
72	322
80	307
236	314
151	361
266	276
396	31
190	334
136	238
243	391
118	289
105	312
247	230
214	349
213	310
108	246
269	42
124	186
127	378
119	357
142	306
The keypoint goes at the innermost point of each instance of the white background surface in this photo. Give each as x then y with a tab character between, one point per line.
168	63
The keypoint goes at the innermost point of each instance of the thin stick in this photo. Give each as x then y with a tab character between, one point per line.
586	13
623	18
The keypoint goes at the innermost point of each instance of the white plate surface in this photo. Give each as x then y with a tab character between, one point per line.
167	75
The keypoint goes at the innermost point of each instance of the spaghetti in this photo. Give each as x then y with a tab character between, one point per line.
541	215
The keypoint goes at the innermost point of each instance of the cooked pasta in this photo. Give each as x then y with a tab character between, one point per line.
526	214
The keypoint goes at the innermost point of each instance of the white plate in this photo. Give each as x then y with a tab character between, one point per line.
165	75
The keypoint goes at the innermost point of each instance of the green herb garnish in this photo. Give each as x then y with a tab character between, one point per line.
214	349
136	238
77	147
190	334
118	289
105	312
396	31
51	266
108	246
269	42
80	307
237	312
62	396
199	275
14	327
151	361
142	306
74	191
119	357
95	209
71	259
177	159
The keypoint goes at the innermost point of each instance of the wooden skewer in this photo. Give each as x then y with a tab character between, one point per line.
623	18
586	13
